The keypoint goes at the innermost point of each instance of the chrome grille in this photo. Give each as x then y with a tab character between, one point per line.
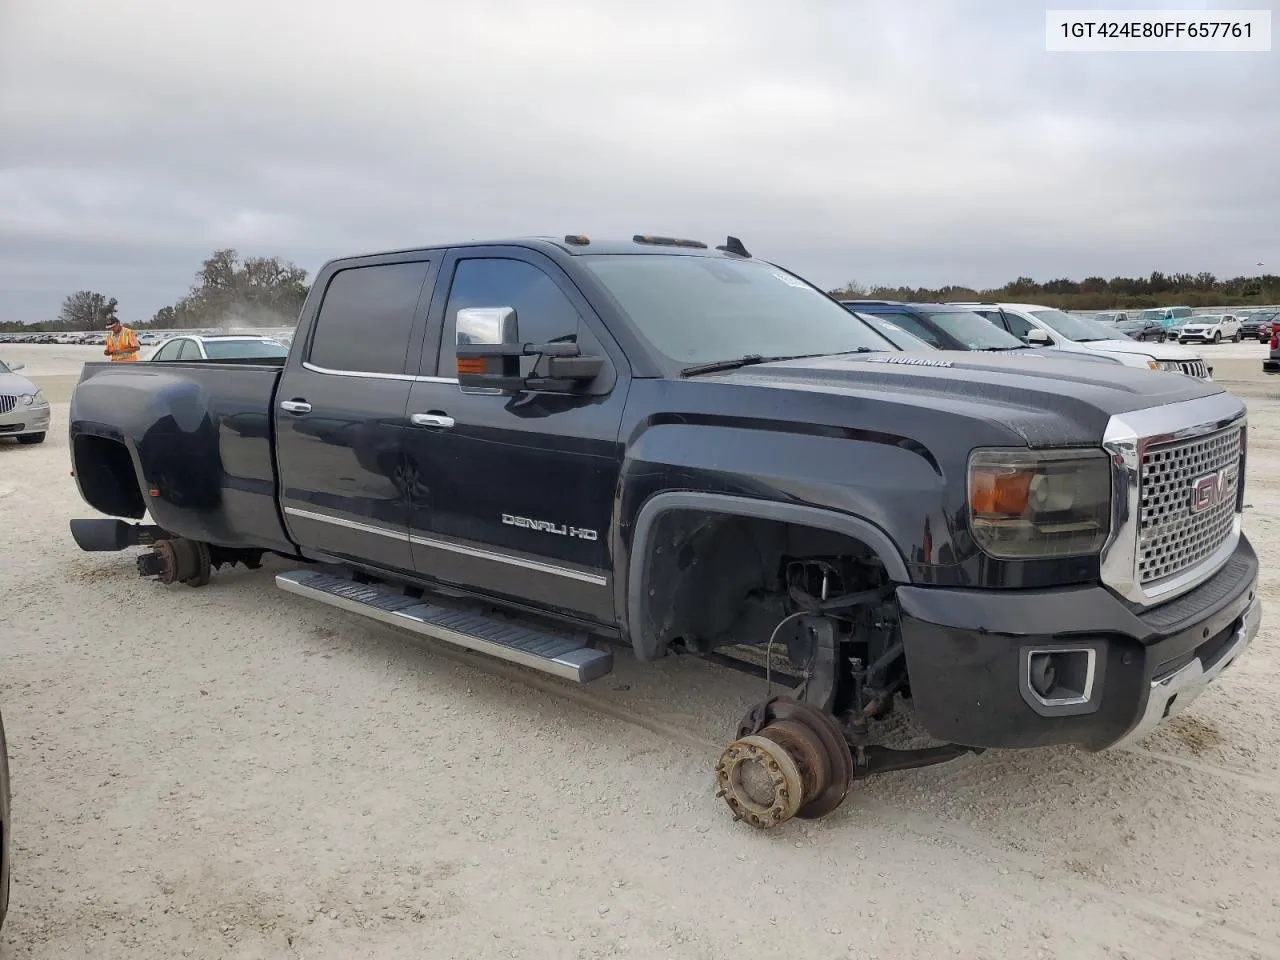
7	403
1188	508
1194	368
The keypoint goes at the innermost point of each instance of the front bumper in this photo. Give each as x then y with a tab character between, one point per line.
24	419
967	653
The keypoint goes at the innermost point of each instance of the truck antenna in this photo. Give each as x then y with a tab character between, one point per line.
734	245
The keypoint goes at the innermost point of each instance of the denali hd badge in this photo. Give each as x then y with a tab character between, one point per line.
546	526
1212	489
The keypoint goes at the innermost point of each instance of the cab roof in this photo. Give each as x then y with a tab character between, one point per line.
577	245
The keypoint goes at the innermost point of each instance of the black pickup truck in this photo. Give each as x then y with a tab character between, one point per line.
547	449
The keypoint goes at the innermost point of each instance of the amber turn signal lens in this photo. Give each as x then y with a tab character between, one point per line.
474	366
996	492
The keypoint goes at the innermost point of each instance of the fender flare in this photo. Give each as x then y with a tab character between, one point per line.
800	514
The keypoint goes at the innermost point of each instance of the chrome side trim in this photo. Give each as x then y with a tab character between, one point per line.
366	375
374	529
537	566
1126	438
1170	695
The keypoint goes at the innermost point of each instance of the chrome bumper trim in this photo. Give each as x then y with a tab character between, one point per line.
1171	694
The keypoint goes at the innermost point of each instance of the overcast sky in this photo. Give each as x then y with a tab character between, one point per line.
922	142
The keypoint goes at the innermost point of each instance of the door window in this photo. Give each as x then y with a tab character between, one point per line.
189	350
1017	326
543	313
366	318
169	351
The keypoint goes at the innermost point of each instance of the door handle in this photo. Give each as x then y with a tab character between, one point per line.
295	406
431	420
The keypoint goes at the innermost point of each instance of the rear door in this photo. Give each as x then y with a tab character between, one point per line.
340	412
513	495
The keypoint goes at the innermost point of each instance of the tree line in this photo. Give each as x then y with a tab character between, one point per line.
229	291
1096	293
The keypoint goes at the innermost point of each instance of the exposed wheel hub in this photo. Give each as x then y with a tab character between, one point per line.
790	760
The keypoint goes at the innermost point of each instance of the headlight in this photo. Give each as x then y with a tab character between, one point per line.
1026	504
34	399
1171	365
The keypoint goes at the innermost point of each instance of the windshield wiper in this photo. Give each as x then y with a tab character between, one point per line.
1021	346
751	359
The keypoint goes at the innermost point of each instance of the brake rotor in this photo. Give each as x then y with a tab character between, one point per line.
790	760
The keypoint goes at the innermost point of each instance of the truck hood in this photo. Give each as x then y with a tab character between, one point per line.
1157	351
1045	402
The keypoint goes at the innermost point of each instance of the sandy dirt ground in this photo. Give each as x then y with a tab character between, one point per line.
235	772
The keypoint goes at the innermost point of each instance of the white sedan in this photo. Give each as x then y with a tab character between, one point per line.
1210	328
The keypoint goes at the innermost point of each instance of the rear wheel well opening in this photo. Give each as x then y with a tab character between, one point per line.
717	579
107	479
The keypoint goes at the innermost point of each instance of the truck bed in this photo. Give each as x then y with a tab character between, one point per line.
196	437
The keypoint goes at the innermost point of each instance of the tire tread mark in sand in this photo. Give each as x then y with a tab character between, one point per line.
1246	780
1211	925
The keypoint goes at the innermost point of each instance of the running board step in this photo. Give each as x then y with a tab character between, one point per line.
554	653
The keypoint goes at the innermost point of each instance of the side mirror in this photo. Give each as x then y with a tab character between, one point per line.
489	351
1039	338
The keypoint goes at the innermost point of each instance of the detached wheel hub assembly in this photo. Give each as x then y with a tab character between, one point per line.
790	760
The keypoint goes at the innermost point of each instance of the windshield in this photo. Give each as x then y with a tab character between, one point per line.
243	349
700	309
1078	329
895	334
975	331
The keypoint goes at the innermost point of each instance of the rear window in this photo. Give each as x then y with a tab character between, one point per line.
366	317
243	349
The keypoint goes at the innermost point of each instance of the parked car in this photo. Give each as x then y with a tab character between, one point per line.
552	449
1272	363
230	347
1112	316
1167	317
1046	327
24	412
1142	330
1257	324
947	328
1211	328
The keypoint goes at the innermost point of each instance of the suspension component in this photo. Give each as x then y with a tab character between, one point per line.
790	760
177	561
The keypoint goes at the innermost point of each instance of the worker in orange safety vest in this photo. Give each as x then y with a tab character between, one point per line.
122	343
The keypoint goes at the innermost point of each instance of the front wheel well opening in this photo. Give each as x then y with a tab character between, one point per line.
107	480
715	579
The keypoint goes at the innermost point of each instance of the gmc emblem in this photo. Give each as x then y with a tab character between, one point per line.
1210	490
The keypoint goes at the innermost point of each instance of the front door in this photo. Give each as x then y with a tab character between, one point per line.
513	495
340	417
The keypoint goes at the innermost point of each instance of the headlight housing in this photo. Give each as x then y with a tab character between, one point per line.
1036	504
1171	365
34	399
